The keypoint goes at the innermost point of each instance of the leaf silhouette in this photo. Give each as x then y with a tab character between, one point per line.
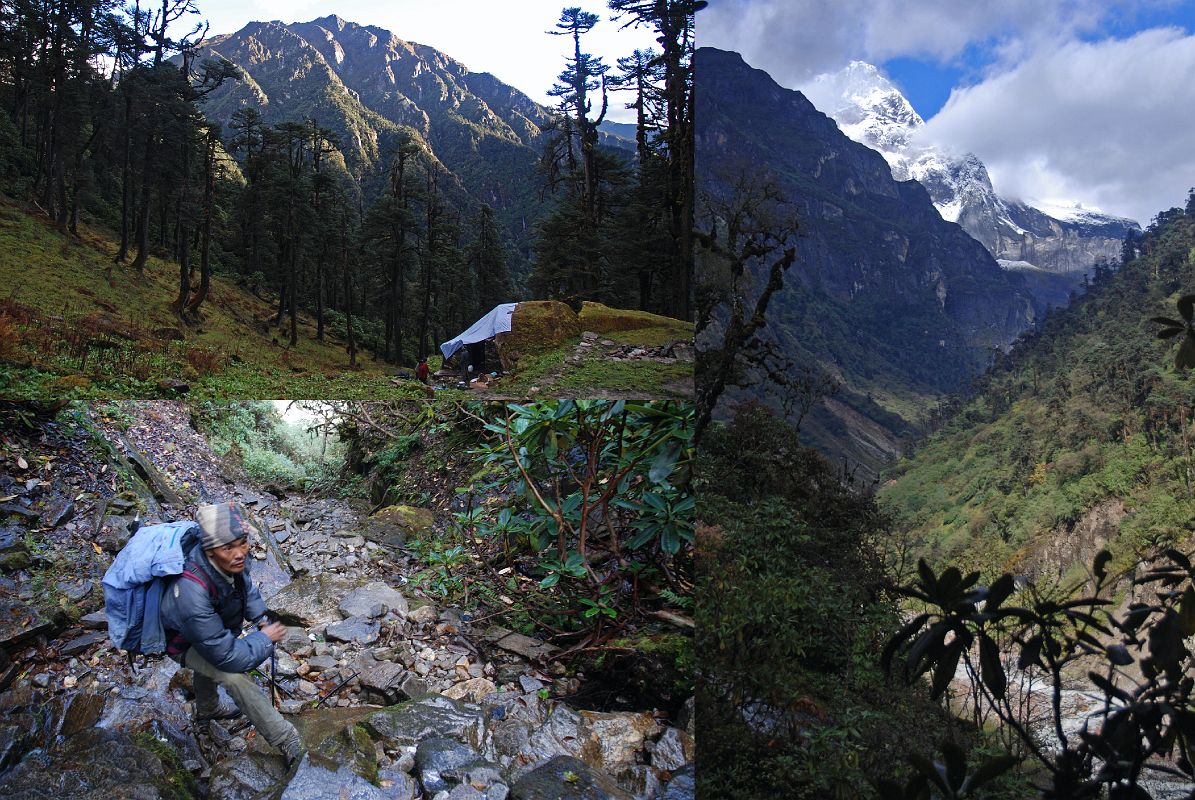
1186	306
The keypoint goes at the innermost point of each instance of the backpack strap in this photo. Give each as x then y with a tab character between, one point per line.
202	581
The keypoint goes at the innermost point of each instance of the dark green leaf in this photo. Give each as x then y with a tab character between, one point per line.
1186	612
988	771
1186	305
661	468
999	591
945	670
898	639
1169	333
992	669
1100	565
1108	688
1167	321
928	770
956	764
1186	354
1119	655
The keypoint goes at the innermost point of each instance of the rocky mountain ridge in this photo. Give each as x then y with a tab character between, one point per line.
871	110
370	87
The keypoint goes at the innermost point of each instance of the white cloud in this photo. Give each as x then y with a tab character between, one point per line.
1105	123
793	40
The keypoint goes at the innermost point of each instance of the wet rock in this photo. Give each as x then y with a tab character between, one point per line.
114	534
673	750
15	741
128	770
566	778
641	781
373	600
530	684
393	525
57	510
442	763
359	630
41	680
683	785
14	553
688	716
397	785
473	689
82	643
18	513
423	718
74	590
315	782
143	710
310	600
244	777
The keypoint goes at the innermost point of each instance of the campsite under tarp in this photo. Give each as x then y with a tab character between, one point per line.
489	326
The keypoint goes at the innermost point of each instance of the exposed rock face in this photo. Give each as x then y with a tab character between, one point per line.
872	111
885	294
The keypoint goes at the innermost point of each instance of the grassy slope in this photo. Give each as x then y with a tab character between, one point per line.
1087	414
56	284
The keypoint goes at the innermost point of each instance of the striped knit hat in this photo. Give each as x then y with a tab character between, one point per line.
222	524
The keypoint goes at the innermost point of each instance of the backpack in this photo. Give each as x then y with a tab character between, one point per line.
134	583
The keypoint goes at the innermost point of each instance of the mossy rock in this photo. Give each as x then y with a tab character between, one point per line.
536	327
338	735
70	382
393	525
603	319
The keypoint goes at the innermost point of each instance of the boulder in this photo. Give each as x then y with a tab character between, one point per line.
130	768
683	785
360	630
14	553
398	785
566	778
245	776
536	327
313	781
367	600
114	533
673	750
310	600
393	525
442	763
473	689
425	717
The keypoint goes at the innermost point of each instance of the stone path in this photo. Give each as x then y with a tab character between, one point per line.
479	719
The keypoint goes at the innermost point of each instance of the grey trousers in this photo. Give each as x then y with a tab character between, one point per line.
253	702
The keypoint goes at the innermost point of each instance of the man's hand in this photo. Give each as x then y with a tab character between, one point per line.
275	630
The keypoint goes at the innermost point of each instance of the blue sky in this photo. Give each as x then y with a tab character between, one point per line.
927	82
1065	101
508	40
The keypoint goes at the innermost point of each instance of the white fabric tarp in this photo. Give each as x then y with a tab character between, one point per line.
493	323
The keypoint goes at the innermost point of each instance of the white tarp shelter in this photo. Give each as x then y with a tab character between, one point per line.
493	323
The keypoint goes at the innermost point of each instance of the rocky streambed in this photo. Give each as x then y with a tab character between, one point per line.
395	694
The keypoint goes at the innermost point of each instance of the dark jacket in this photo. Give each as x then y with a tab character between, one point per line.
208	614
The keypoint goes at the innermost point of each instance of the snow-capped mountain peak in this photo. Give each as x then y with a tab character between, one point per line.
1059	236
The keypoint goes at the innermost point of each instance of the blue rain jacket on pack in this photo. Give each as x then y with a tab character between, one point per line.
133	584
208	614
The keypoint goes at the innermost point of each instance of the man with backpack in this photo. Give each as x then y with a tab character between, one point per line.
202	612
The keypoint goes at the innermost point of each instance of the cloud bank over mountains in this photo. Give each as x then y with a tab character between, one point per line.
1057	109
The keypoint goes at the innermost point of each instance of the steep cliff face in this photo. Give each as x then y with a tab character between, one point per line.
872	111
896	302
